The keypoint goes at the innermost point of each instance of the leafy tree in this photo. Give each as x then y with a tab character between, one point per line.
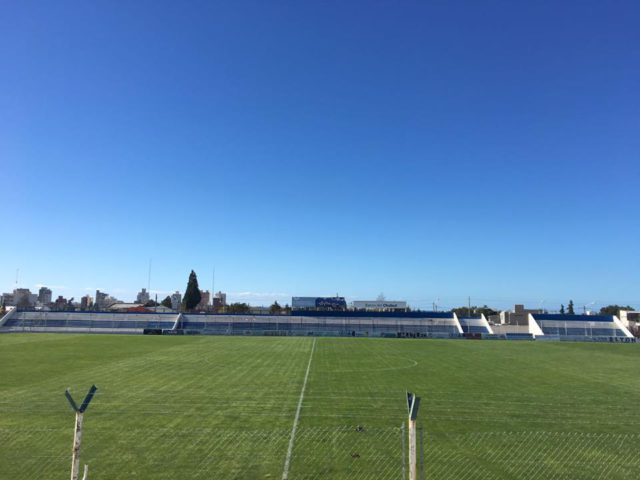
24	303
192	294
275	309
151	303
486	311
561	309
462	311
614	309
238	308
570	308
166	302
474	311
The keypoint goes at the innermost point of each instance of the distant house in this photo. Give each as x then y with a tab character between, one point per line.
129	307
519	316
138	308
161	309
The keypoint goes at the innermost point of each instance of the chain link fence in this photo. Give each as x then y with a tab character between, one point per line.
532	455
346	452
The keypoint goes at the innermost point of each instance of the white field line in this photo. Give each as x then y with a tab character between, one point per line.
287	462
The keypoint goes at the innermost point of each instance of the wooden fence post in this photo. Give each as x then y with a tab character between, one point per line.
77	432
75	455
413	403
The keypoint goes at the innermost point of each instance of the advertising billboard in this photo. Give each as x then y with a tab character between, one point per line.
379	305
303	302
318	303
331	303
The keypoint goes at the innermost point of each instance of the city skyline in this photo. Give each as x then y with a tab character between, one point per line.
267	298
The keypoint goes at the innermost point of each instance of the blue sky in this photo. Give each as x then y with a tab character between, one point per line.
427	150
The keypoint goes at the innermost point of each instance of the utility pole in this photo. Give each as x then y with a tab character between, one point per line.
77	435
149	278
413	403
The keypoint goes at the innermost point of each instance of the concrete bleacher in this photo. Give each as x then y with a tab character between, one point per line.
101	322
327	323
318	323
581	326
419	324
478	325
423	324
6	316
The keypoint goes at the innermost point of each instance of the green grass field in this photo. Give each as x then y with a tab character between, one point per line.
224	407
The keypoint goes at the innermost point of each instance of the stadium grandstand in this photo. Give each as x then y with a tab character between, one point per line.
90	322
397	324
580	327
319	323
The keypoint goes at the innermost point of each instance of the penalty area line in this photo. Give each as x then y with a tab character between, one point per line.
292	439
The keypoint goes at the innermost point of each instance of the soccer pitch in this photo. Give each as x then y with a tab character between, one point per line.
226	407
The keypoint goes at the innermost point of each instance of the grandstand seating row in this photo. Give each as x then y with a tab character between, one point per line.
419	324
475	325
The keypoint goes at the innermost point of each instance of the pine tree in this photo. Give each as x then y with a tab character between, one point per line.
561	309
166	302
192	295
570	308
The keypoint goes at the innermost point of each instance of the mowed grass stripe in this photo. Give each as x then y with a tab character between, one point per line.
174	398
464	382
294	428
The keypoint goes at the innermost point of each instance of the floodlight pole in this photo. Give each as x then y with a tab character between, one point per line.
77	433
413	403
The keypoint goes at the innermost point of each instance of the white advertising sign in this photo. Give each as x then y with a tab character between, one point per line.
379	304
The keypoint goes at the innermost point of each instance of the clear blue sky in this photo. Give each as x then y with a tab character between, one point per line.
432	149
